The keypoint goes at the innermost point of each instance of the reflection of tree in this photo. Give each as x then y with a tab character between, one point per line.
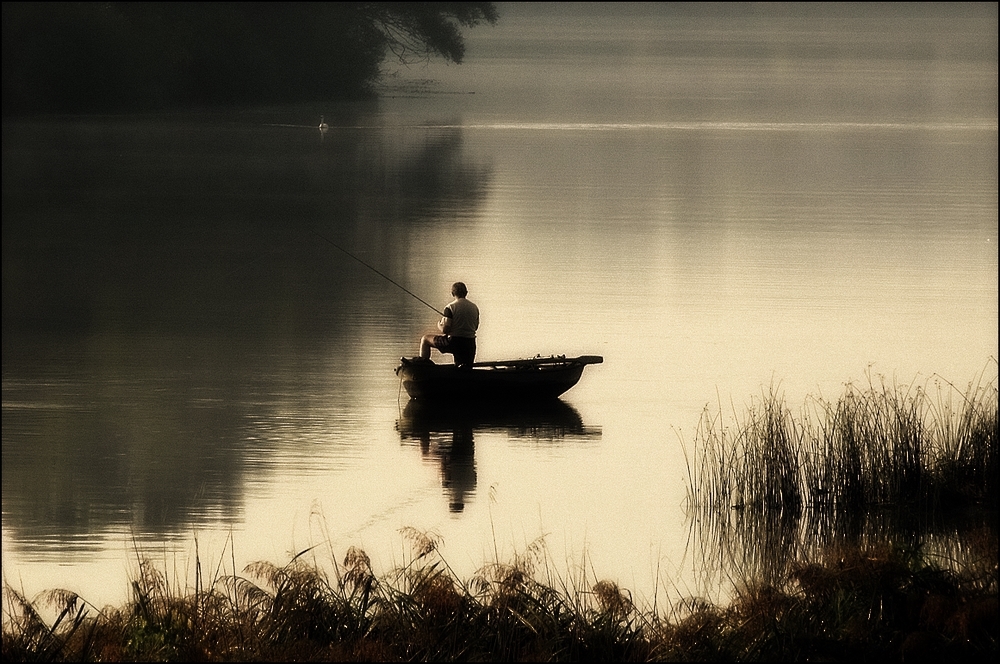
430	175
447	433
151	298
188	227
102	450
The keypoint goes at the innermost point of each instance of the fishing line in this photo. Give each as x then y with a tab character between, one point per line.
405	290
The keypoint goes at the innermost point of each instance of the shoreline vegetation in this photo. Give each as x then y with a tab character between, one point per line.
864	529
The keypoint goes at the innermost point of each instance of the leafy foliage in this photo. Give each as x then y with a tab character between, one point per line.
81	57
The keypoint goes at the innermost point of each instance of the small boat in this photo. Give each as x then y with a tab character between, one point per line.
505	380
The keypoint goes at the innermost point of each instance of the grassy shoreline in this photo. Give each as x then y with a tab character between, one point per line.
809	518
861	603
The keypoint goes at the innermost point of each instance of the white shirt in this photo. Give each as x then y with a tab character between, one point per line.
461	318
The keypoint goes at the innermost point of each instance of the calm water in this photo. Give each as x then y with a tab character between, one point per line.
715	207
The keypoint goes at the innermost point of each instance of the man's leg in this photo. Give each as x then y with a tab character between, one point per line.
465	351
426	342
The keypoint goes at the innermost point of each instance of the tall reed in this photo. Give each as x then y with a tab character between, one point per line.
878	446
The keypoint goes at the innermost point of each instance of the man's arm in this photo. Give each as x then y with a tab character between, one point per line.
445	323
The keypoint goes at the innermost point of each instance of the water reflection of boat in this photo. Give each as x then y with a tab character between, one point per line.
509	380
446	432
549	420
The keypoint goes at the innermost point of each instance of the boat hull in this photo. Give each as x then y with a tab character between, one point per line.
513	380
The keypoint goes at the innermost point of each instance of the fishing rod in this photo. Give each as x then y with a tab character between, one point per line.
407	291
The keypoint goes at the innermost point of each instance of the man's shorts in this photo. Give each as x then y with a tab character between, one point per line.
463	348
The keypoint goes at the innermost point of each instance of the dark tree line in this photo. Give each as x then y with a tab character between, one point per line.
74	57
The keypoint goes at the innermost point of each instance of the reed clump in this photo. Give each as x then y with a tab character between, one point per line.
830	521
854	603
874	447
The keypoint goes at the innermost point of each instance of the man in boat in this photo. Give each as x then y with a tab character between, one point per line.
458	330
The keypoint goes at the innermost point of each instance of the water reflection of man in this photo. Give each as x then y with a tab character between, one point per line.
457	458
458	468
458	330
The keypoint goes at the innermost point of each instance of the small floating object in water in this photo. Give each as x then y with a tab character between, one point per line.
322	124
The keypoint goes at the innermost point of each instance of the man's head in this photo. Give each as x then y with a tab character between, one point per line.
458	289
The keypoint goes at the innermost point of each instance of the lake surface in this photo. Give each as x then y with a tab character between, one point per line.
720	208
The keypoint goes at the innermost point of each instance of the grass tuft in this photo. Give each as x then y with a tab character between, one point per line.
851	603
